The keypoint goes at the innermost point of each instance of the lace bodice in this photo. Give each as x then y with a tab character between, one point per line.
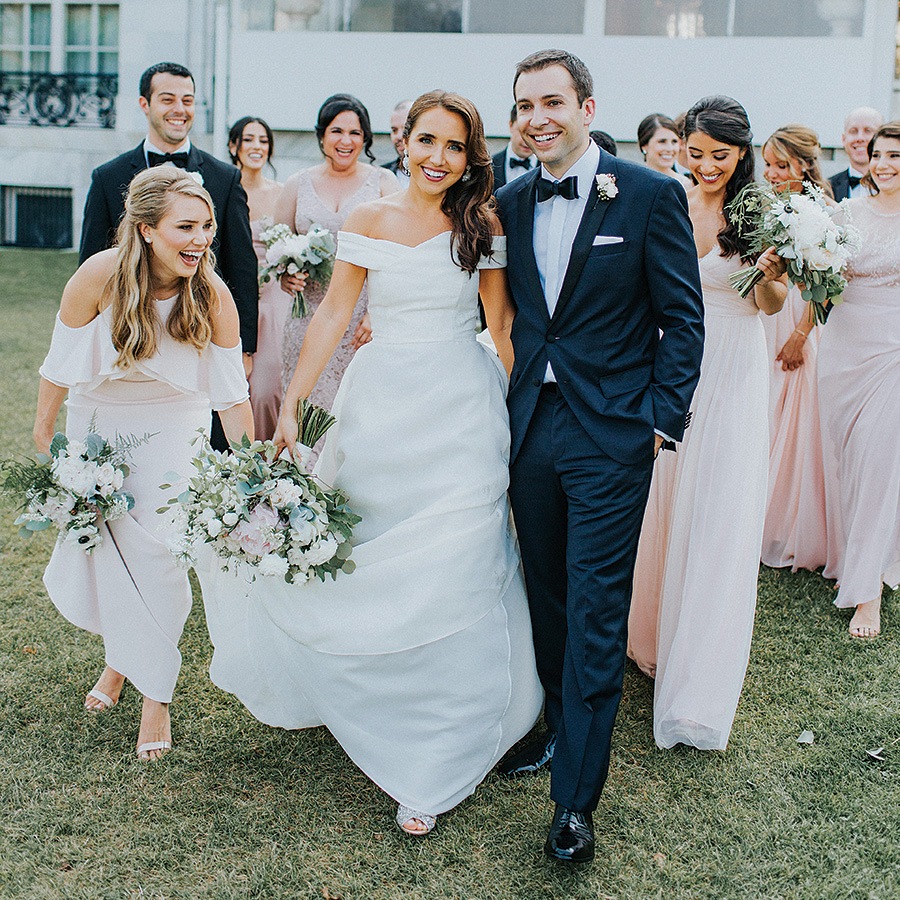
418	294
719	297
877	264
312	211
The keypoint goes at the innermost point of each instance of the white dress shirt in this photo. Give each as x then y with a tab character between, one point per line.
556	223
860	190
150	147
513	172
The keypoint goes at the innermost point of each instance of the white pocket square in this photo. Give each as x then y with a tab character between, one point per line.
604	239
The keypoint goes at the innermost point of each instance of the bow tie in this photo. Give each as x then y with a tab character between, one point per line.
567	189
516	163
157	159
854	181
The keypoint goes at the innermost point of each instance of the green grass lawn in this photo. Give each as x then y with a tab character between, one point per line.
240	810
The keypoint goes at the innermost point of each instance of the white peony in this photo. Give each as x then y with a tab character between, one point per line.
322	551
273	564
75	475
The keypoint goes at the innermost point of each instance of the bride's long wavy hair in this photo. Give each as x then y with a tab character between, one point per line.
129	291
468	202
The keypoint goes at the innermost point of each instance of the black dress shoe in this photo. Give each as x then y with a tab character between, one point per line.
571	836
530	759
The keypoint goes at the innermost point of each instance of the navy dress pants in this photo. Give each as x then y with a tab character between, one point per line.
578	515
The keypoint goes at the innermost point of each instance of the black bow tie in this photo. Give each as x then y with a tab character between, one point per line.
157	159
516	163
567	189
854	181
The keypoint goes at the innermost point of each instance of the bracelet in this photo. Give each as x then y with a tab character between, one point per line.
803	334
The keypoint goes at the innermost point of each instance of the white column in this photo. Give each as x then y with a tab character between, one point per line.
220	81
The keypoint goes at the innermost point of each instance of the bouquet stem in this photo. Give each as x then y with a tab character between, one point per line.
744	280
313	420
299	310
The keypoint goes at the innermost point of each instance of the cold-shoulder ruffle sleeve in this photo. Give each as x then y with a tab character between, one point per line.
85	357
497	259
77	355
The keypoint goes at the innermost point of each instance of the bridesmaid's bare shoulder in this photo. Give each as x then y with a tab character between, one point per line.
81	297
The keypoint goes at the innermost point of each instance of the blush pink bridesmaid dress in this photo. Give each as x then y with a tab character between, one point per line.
859	397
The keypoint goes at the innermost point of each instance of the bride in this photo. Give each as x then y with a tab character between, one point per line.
420	663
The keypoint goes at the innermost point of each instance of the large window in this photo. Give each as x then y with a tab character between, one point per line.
735	18
89	32
25	37
452	16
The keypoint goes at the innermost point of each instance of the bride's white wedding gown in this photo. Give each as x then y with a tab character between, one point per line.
420	663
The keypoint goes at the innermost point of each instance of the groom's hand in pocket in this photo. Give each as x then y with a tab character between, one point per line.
657	443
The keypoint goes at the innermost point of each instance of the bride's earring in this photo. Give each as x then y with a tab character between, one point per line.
467	175
404	163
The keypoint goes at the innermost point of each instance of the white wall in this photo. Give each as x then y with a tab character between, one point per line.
284	76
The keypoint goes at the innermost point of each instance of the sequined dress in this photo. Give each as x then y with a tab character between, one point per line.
859	397
312	211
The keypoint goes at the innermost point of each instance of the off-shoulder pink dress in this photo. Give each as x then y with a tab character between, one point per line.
859	396
130	590
695	579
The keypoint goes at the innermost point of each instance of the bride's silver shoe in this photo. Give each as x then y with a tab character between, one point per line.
405	815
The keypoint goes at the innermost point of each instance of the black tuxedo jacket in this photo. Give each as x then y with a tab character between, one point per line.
233	244
620	379
840	184
392	166
499	163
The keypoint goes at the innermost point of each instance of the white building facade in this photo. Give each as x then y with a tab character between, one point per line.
69	72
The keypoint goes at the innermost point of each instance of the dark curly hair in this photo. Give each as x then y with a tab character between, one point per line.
333	107
467	204
725	120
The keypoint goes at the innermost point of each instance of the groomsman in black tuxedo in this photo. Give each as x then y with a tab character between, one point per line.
602	262
859	126
516	158
398	122
167	99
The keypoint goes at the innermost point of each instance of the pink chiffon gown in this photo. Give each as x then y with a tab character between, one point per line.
265	377
794	533
859	395
698	558
130	589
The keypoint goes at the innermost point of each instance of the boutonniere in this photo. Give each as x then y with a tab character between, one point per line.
606	186
196	176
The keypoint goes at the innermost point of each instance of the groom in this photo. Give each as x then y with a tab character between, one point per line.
601	260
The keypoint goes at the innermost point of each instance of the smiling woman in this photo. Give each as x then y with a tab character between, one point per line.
146	342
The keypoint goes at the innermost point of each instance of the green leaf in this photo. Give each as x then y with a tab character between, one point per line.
58	444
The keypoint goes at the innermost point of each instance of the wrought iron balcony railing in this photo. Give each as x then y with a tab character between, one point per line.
43	98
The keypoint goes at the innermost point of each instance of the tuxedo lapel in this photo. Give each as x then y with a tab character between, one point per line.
594	211
138	159
195	160
525	200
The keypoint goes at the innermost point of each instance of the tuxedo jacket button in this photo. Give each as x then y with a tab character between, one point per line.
536	382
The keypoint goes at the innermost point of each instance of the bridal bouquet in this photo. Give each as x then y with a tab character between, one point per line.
262	514
803	230
288	254
73	488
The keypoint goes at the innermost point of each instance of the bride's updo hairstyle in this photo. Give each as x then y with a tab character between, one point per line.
467	203
130	289
725	120
797	143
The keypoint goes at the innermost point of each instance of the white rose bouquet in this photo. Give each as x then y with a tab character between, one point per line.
804	231
74	488
289	254
262	514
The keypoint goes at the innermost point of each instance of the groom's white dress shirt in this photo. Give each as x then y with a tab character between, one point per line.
556	223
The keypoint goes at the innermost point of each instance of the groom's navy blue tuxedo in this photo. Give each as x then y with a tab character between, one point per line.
582	449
